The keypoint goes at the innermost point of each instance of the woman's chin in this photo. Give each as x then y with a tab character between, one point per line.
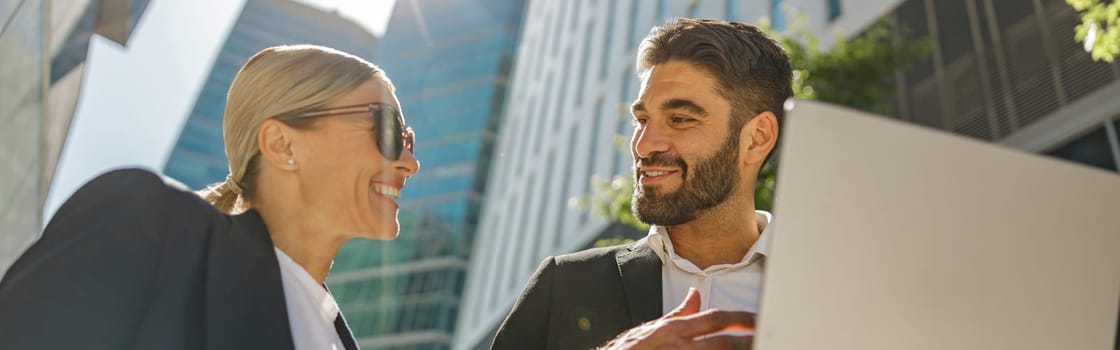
378	223
383	232
387	234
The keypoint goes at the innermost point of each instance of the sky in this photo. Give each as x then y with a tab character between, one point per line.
136	99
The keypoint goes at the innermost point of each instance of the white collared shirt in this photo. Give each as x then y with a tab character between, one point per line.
311	309
726	286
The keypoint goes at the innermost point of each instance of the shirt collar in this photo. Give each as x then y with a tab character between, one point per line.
658	239
317	294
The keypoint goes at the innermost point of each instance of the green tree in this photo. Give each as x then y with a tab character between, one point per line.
857	73
1100	27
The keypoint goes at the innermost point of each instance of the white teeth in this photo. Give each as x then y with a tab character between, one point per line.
656	173
386	190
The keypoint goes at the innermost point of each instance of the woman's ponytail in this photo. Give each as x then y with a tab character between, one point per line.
225	196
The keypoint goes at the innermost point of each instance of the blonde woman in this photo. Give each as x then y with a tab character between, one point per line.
318	153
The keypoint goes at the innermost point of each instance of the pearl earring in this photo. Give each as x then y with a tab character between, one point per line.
291	161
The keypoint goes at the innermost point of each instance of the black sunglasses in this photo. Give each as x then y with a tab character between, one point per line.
392	137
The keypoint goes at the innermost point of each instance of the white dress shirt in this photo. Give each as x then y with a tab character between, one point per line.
311	309
725	287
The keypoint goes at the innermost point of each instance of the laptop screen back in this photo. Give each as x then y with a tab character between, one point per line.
894	236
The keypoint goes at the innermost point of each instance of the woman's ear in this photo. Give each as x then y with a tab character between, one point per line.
276	142
758	138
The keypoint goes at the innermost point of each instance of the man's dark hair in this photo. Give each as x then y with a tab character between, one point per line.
753	71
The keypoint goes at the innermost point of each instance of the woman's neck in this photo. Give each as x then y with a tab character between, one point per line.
299	236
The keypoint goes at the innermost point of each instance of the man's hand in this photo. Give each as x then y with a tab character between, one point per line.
687	328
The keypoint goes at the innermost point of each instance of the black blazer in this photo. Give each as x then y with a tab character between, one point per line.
585	299
129	262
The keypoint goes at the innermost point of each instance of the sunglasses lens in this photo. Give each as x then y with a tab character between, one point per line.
389	133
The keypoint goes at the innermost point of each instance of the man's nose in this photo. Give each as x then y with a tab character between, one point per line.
647	140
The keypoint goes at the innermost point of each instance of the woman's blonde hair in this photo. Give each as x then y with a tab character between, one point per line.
279	82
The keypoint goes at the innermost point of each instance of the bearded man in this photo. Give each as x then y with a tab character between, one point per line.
706	120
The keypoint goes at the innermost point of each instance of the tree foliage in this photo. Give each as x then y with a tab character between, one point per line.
857	73
1100	27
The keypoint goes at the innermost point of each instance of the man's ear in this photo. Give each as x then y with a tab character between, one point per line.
276	142
758	138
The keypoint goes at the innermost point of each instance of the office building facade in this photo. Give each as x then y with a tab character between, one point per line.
449	61
1011	72
43	47
1006	71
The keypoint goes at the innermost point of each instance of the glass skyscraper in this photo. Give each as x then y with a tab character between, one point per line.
43	47
450	61
22	69
198	158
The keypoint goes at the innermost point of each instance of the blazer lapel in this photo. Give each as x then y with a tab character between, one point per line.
245	306
640	269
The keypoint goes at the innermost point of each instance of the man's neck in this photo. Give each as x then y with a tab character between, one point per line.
722	235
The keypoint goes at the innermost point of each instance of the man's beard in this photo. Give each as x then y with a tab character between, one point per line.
713	182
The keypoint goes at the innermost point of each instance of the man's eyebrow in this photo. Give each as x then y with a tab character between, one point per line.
688	105
637	107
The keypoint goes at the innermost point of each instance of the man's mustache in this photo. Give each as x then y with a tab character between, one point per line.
663	159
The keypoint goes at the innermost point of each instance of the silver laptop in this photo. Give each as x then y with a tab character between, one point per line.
893	236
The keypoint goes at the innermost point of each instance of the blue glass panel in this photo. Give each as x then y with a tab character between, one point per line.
834	9
777	15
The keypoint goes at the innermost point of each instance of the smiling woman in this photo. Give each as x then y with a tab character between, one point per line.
318	153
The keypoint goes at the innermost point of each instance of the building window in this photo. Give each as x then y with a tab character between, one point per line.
558	28
1116	123
834	10
608	33
1114	141
584	62
565	209
1092	149
574	17
558	112
592	153
661	17
514	261
732	9
777	16
543	197
631	30
621	161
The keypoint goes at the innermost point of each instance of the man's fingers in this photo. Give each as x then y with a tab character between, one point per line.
737	342
713	321
689	306
702	330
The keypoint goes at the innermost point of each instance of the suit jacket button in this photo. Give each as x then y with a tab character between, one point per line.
584	324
